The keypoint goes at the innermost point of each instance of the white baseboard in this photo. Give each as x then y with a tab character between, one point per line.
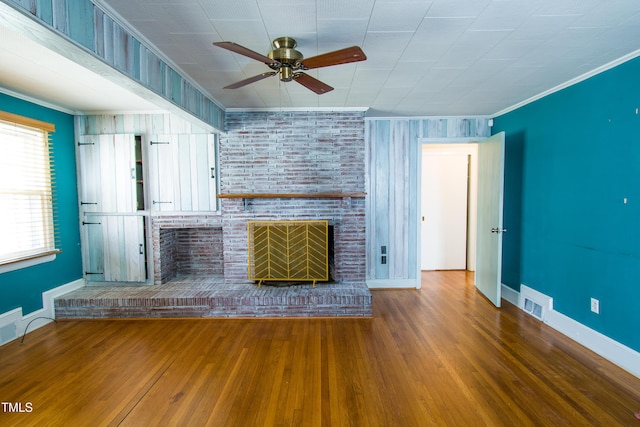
510	295
615	352
393	284
13	324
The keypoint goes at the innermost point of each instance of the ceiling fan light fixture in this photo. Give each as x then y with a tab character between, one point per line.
286	61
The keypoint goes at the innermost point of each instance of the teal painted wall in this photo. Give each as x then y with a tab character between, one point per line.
24	288
572	158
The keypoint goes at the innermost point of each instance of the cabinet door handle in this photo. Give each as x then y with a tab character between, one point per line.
133	173
141	247
213	173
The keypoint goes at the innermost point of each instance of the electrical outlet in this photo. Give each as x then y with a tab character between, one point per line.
595	306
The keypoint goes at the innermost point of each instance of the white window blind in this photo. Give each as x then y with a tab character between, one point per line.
26	185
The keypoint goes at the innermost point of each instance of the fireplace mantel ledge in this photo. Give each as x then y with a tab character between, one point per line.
246	196
337	195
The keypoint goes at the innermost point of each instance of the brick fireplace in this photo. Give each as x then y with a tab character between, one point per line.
314	160
312	167
346	222
301	156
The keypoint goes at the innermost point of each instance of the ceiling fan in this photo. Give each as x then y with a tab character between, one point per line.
289	63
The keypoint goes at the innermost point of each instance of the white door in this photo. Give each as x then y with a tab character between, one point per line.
489	235
444	211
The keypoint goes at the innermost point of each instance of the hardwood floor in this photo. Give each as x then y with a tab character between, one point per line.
441	355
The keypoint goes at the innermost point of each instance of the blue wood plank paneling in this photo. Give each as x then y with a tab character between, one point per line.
381	196
42	9
122	58
28	5
135	58
393	152
398	199
88	26
175	86
99	23
415	151
80	22
60	20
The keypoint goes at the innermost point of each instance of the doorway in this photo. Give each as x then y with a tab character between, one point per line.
448	197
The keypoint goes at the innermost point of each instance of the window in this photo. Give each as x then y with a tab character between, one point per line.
26	205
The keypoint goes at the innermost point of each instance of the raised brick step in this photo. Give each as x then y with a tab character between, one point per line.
195	296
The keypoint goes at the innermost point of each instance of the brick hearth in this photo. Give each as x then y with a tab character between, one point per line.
198	296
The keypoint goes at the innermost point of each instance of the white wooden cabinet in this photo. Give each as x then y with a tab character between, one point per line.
108	173
117	196
115	248
182	173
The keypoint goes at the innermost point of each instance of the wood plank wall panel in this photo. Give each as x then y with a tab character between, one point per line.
378	214
42	9
393	148
80	22
90	27
139	124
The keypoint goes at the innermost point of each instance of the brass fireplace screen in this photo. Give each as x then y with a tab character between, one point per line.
288	251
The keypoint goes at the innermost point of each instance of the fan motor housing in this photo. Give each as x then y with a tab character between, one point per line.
284	51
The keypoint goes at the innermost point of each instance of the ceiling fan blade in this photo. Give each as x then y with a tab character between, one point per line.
312	83
234	47
342	56
250	80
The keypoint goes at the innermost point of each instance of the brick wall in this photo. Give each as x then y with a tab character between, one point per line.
166	262
294	152
199	251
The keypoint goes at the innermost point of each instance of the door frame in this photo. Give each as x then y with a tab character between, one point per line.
460	145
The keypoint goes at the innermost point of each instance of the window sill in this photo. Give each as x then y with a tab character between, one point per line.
28	262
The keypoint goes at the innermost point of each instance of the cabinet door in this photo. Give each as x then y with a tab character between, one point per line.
183	172
116	250
107	169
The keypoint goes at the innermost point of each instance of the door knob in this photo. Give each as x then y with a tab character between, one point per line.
498	230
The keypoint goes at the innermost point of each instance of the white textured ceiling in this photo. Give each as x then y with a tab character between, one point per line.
425	58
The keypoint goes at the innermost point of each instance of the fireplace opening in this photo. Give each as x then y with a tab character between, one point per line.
290	252
194	251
